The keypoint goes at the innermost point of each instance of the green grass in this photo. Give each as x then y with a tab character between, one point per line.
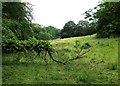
99	66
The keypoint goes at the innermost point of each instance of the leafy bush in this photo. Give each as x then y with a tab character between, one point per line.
7	34
12	45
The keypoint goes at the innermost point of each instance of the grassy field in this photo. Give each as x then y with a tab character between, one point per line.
98	66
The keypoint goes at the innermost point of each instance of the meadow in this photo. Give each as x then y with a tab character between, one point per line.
98	66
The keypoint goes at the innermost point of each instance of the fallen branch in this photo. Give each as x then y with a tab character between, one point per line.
54	59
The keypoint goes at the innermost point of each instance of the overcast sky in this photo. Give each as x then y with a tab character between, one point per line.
58	12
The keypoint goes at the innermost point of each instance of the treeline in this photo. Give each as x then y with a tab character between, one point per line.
83	28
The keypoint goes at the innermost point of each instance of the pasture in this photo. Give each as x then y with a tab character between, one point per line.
98	66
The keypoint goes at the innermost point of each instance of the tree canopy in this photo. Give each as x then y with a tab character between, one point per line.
17	17
108	18
71	29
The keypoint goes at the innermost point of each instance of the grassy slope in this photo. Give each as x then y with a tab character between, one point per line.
98	66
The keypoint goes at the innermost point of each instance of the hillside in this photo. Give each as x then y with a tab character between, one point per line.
99	65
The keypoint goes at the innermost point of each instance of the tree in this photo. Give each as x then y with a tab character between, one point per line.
17	11
17	17
45	33
81	29
68	29
55	32
108	19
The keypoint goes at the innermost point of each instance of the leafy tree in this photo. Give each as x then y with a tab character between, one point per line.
53	31
83	23
68	29
17	11
45	33
81	29
108	19
45	36
17	17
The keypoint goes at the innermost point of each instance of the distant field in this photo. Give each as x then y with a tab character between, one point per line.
98	66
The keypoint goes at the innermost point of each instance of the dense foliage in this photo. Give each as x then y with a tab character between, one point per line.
21	31
83	28
108	18
17	17
45	33
68	29
12	46
17	11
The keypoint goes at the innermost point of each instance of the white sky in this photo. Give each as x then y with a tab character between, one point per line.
58	12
